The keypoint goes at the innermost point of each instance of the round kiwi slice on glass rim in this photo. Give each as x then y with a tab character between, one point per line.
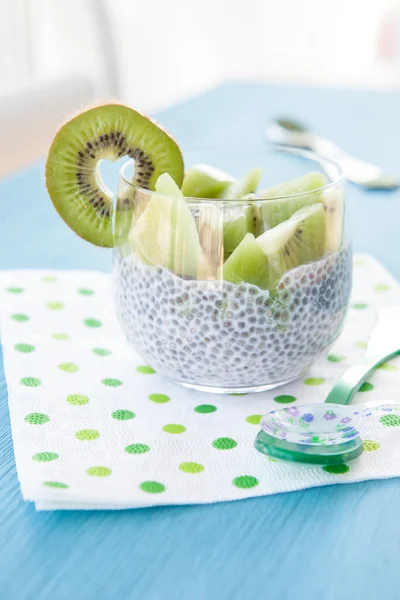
110	132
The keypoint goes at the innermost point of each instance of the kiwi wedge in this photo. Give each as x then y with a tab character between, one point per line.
205	181
106	132
236	227
277	211
165	233
240	187
309	186
264	260
301	185
333	201
209	221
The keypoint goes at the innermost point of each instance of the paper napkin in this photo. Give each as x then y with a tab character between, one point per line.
95	427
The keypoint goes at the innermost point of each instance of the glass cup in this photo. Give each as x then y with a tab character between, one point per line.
258	324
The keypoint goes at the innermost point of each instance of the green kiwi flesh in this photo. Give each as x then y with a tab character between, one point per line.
277	211
333	201
301	185
240	187
264	260
236	227
106	132
165	234
205	181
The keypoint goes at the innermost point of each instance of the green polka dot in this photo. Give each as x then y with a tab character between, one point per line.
366	387
123	415
37	419
314	381
336	469
77	399
388	367
360	344
145	369
254	419
382	287
191	467
245	482
174	428
45	456
238	394
137	449
56	484
359	306
85	292
335	358
101	351
86	435
359	262
68	367
55	305
26	348
390	420
152	487
370	445
224	443
205	408
159	398
60	336
99	471
30	381
111	382
15	290
49	279
20	317
92	323
285	399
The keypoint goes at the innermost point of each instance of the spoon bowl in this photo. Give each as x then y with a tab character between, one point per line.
334	454
323	434
313	425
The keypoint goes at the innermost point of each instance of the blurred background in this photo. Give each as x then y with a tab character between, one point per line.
56	56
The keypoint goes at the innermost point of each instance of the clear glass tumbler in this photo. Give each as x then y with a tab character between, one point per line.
213	318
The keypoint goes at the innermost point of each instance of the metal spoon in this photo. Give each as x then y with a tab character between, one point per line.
288	132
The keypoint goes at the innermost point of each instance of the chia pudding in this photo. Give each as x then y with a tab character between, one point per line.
225	281
217	334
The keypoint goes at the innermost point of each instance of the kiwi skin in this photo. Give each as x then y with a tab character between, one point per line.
109	131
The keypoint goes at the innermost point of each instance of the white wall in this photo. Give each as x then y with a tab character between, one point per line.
165	51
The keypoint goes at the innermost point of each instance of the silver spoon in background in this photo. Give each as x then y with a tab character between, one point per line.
288	132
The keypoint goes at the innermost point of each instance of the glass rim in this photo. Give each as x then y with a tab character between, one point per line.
307	154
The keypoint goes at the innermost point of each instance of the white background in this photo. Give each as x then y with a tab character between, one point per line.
153	53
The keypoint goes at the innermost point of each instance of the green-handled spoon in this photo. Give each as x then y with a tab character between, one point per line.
325	433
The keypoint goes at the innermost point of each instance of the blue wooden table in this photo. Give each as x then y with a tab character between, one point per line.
328	543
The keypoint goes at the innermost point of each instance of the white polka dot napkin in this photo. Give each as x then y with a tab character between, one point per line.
94	427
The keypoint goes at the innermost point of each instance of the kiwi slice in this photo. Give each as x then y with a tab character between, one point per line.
277	211
105	132
205	181
165	234
333	201
264	260
236	227
209	221
301	185
245	185
247	263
